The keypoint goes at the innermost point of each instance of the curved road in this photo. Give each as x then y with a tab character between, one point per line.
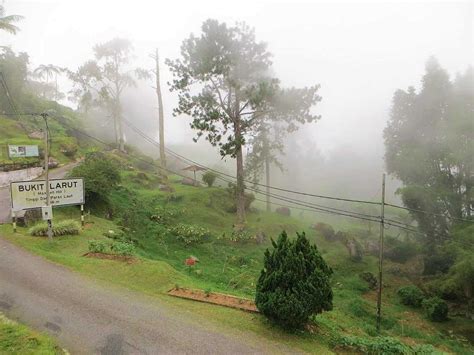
88	318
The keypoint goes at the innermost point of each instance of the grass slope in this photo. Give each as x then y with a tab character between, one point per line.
18	339
232	267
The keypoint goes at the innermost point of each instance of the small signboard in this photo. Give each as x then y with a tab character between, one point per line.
32	194
22	151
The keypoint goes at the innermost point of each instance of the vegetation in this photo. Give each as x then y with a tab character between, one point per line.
294	283
18	339
101	176
65	227
227	62
209	177
7	22
436	309
411	295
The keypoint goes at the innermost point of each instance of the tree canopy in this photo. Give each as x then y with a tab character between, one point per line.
429	143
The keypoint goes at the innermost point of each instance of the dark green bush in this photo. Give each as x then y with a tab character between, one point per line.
401	252
294	283
379	345
209	177
101	175
436	309
411	295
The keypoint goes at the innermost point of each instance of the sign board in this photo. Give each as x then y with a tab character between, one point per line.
32	194
22	151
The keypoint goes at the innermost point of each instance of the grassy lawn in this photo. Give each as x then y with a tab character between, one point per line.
18	339
233	268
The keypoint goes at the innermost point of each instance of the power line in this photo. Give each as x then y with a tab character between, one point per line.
151	140
430	213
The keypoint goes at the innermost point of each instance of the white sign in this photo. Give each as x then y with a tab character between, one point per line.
32	194
22	151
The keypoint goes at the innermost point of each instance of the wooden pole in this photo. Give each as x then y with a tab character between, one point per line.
14	221
382	229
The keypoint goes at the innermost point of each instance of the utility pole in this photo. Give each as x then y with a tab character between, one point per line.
160	114
382	229
46	170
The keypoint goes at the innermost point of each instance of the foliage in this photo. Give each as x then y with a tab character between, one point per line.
209	177
190	234
370	278
294	283
380	345
122	248
326	230
97	246
14	68
64	227
101	175
240	236
7	22
429	148
223	82
166	214
101	82
436	309
411	295
232	191
401	252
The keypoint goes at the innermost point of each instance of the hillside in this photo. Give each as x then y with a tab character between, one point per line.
230	263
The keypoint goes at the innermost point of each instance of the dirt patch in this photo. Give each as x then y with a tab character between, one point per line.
126	259
215	298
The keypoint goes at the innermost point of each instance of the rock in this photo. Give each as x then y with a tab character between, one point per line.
260	238
53	163
354	248
326	231
190	182
29	217
165	188
372	248
36	135
284	211
341	237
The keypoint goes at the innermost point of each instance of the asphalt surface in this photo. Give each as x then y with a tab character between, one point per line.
87	317
5	198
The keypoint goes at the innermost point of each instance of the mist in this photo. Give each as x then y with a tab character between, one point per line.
360	54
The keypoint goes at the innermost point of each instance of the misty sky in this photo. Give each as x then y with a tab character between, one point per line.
359	53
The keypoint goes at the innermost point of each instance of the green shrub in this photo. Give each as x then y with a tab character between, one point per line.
101	175
436	309
401	252
69	149
209	177
97	246
411	295
240	236
65	227
380	345
122	248
164	215
294	283
189	234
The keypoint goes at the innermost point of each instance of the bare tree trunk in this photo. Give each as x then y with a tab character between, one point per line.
240	198
160	117
267	173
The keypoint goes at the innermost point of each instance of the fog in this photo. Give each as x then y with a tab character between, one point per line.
359	53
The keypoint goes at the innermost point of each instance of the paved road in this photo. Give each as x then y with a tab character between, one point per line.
88	318
5	200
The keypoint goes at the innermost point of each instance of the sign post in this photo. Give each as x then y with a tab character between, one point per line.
46	170
82	215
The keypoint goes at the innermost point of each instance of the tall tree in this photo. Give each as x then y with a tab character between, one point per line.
223	82
429	143
103	80
7	22
155	75
48	72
